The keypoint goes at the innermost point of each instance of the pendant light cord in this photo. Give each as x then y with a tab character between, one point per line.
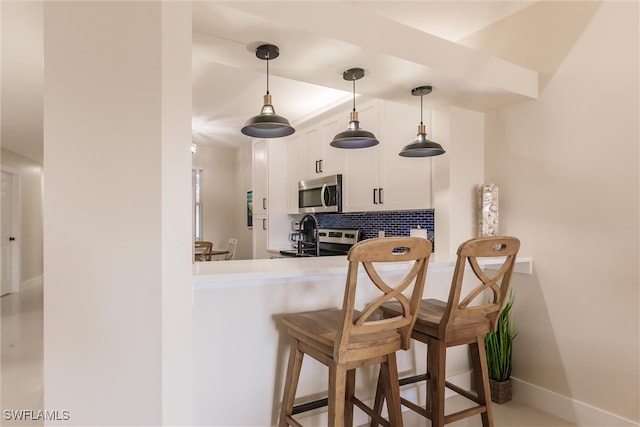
421	110
267	75
354	94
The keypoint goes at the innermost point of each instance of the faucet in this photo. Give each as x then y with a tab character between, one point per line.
314	225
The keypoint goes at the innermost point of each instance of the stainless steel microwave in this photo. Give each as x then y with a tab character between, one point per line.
320	194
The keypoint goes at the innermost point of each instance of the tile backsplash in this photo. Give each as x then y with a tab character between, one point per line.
393	223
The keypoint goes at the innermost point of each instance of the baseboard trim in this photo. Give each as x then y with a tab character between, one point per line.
34	281
566	408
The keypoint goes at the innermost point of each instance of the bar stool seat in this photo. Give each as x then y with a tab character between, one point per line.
321	327
348	338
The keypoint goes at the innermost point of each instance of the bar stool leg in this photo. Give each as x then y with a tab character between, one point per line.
337	389
481	376
348	398
389	369
436	359
379	400
291	382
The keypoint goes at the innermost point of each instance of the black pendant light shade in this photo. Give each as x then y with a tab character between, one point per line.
422	146
354	137
267	124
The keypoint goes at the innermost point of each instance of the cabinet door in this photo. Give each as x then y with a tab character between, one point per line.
320	158
312	153
362	167
260	181
332	158
278	195
260	237
406	181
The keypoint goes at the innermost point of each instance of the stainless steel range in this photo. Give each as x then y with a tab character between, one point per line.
328	242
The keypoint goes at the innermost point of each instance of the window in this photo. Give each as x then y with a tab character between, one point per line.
196	184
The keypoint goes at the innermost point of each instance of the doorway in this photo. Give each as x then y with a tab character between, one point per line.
10	226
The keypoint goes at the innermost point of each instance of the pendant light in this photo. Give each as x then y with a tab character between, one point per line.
354	137
267	124
421	146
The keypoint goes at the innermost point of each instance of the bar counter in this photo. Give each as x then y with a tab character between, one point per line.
240	348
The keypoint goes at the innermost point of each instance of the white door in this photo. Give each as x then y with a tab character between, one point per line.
8	233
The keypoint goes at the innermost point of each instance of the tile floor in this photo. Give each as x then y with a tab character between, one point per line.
510	414
22	355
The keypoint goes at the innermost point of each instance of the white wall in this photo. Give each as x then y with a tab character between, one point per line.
226	180
30	173
219	191
456	176
177	322
117	337
567	167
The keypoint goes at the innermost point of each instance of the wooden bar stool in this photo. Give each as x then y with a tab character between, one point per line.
346	339
461	320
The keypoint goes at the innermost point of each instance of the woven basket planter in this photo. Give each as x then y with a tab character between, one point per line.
500	390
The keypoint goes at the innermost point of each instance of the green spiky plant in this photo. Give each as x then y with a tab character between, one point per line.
499	344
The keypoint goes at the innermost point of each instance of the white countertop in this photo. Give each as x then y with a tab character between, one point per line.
238	273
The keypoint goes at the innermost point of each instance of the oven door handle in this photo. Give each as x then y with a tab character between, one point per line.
323	193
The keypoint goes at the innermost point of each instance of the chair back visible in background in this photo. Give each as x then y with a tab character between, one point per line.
202	251
231	247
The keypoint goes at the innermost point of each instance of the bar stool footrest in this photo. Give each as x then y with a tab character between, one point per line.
360	404
309	406
415	408
463	392
464	414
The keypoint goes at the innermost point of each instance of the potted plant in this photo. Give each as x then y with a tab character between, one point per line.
498	347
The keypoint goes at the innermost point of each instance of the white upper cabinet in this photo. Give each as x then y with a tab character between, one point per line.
374	178
332	158
406	181
377	178
320	158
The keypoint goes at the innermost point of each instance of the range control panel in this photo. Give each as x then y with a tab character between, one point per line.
345	237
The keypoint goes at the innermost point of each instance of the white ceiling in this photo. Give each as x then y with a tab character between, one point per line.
393	41
400	45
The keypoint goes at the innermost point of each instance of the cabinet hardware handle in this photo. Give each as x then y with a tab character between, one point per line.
317	166
375	193
320	165
264	223
380	195
264	203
